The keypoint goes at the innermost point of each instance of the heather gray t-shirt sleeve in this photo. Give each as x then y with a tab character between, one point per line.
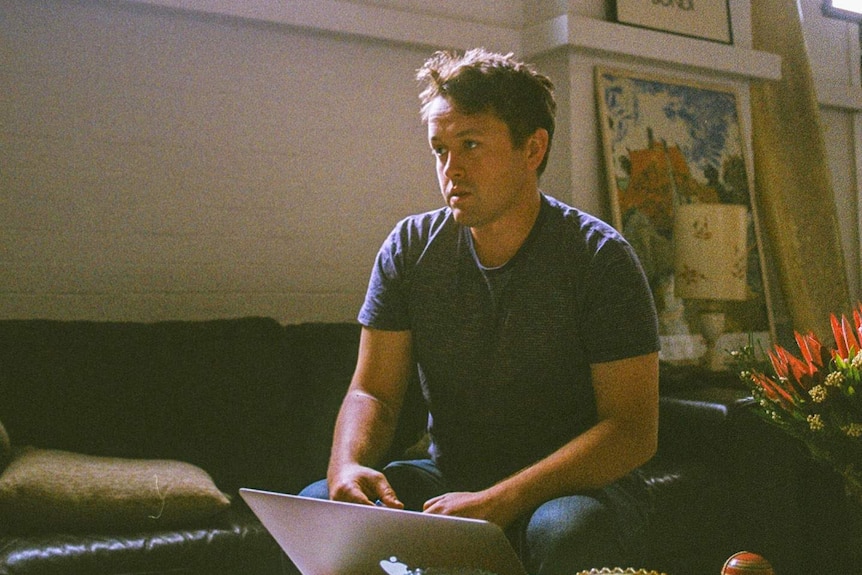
386	305
618	307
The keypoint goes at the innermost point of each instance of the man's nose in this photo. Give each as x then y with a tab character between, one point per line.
453	166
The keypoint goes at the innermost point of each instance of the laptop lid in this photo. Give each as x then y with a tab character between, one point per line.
333	538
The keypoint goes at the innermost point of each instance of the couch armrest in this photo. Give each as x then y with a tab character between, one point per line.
697	420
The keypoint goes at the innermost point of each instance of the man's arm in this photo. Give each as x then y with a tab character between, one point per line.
368	417
625	436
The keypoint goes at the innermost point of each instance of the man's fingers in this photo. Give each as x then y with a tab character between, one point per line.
388	497
367	488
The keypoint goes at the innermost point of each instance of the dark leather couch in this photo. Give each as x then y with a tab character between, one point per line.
253	402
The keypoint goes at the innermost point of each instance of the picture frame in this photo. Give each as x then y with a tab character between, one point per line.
704	19
668	142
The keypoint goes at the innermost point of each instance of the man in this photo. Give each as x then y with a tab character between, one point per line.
533	330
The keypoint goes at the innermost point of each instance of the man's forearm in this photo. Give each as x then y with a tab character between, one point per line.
625	436
594	459
363	431
368	417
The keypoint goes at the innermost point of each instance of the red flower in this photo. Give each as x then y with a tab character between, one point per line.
795	377
846	338
774	391
811	349
798	374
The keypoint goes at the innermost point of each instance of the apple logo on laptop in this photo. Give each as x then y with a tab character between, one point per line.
393	566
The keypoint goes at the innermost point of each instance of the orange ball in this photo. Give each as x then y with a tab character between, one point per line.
746	563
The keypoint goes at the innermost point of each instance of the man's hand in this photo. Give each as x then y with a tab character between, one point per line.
358	484
474	505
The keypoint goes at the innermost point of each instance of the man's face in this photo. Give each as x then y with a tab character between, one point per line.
482	177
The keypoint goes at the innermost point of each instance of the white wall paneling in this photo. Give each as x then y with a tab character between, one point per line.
187	159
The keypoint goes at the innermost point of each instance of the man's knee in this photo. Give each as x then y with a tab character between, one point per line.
317	490
569	534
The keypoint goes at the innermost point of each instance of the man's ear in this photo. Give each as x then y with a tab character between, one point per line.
537	147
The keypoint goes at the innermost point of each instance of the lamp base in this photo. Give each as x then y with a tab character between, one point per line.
711	327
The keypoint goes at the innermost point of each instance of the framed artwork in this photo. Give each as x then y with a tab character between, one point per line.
706	19
671	143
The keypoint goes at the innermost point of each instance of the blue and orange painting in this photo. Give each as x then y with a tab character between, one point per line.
669	143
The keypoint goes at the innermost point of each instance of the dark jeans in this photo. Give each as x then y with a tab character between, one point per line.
600	528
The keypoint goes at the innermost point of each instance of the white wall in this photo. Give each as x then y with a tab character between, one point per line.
162	163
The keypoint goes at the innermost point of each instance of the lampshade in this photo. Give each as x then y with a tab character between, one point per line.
710	251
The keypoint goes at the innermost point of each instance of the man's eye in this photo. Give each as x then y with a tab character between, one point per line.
470	144
438	150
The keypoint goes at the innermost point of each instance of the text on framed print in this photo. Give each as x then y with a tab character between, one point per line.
707	19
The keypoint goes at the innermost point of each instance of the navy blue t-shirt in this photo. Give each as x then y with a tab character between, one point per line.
504	355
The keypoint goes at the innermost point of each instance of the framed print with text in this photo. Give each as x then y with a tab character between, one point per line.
706	19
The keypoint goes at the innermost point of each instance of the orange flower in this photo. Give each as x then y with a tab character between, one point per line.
846	338
798	374
774	390
811	349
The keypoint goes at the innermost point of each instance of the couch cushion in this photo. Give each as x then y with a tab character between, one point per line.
231	543
45	490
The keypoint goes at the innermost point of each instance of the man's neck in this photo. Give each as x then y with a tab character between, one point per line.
498	242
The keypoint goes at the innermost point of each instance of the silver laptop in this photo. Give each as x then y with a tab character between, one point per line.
333	538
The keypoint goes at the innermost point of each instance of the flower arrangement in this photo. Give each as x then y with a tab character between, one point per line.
815	398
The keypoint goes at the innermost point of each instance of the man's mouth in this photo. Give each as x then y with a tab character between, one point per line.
456	198
457	192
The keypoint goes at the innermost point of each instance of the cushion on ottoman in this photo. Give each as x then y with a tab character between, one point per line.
44	489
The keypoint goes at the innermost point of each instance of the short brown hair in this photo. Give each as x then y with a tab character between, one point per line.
481	81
